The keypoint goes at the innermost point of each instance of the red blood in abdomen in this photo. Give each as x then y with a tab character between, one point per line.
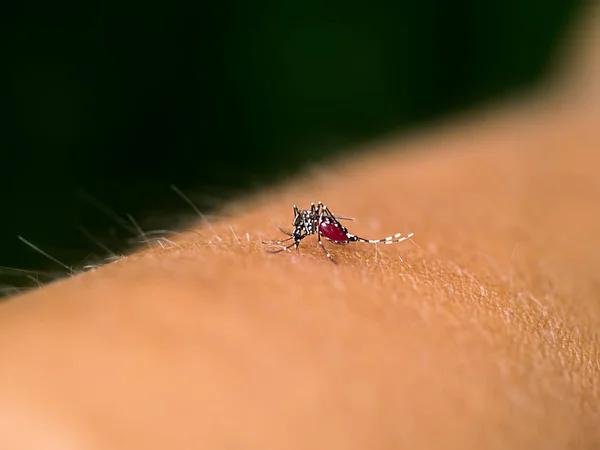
332	232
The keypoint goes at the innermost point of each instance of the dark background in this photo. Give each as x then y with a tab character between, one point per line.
117	100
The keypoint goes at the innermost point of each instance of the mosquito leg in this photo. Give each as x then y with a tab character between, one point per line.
343	218
327	212
283	231
321	243
388	240
295	244
276	242
283	249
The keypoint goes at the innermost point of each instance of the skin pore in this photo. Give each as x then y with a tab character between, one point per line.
482	335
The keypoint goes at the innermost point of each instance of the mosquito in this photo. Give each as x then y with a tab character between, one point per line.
321	221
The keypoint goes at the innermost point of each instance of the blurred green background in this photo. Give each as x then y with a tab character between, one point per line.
120	99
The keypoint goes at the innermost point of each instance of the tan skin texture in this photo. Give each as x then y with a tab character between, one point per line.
485	335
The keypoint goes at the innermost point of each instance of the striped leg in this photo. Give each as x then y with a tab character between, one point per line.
327	212
321	242
388	240
295	244
283	249
276	242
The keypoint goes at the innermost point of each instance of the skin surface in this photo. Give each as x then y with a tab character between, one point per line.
484	335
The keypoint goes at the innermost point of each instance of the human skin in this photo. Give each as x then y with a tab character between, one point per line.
481	333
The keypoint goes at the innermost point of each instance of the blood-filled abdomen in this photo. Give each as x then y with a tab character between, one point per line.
333	232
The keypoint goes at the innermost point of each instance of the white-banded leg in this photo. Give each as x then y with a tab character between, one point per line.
283	249
276	242
388	240
317	209
327	212
295	244
287	233
321	242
